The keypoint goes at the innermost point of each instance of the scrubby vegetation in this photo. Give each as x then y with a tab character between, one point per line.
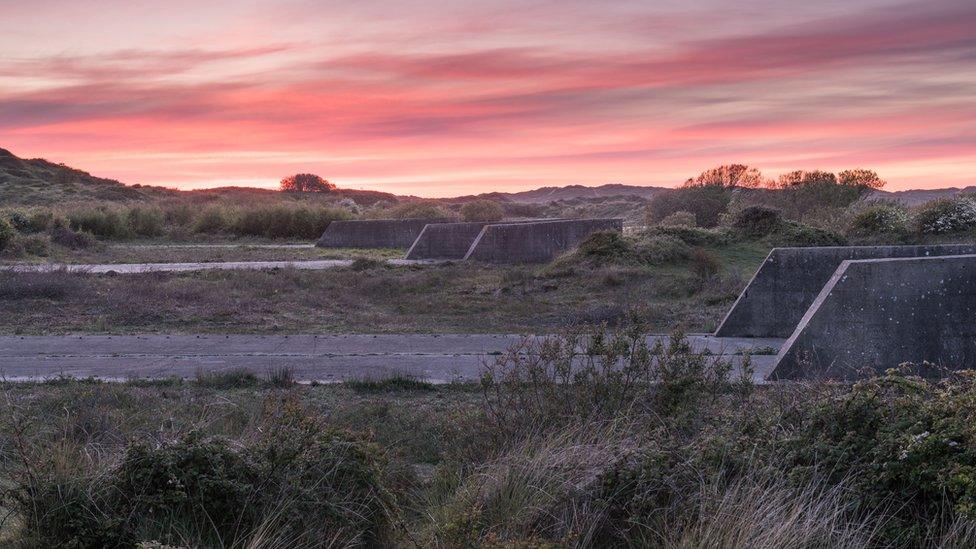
589	439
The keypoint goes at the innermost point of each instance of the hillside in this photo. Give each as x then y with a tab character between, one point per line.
39	182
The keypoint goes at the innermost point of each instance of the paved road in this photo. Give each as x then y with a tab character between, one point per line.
217	246
438	358
135	268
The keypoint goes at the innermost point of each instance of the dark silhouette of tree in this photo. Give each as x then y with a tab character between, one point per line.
860	177
306	183
799	178
729	175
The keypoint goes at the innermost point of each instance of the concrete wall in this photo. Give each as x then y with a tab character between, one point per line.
875	314
373	233
789	280
453	240
535	242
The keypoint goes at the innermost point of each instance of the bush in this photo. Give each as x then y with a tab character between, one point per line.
879	219
481	210
798	234
146	221
706	202
102	222
680	219
71	239
53	285
757	221
946	215
299	484
7	234
661	249
901	440
413	210
27	245
285	221
212	220
693	236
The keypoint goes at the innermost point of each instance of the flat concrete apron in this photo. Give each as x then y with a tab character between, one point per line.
136	268
327	358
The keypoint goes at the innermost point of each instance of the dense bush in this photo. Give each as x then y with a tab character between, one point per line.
412	210
706	202
27	245
693	236
146	221
63	235
7	234
798	234
947	215
680	219
879	219
102	221
757	221
482	210
300	484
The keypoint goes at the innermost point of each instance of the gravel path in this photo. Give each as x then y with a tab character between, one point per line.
135	268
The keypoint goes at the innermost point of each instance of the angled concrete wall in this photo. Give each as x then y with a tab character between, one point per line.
373	233
878	313
453	240
535	242
789	280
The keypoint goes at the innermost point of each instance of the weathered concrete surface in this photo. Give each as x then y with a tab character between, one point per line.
536	242
445	240
875	314
373	233
453	240
437	358
137	268
787	283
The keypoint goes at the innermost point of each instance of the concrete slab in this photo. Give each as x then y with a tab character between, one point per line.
374	233
438	358
787	283
534	242
876	314
453	240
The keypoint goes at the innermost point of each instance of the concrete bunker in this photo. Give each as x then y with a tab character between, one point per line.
374	233
453	240
875	314
789	280
534	242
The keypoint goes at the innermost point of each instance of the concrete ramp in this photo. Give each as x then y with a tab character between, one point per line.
790	279
453	240
374	233
878	313
535	242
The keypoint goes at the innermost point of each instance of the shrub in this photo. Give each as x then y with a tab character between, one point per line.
7	234
879	219
680	219
797	234
704	264
481	210
757	221
706	202
102	222
282	221
900	440
946	215
71	239
414	210
146	221
27	245
605	246
693	236
661	249
212	220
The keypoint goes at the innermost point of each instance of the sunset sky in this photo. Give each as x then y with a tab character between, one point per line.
447	98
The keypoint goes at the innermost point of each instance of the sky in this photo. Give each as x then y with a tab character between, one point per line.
438	98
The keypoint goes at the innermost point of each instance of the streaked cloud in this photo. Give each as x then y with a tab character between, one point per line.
430	101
